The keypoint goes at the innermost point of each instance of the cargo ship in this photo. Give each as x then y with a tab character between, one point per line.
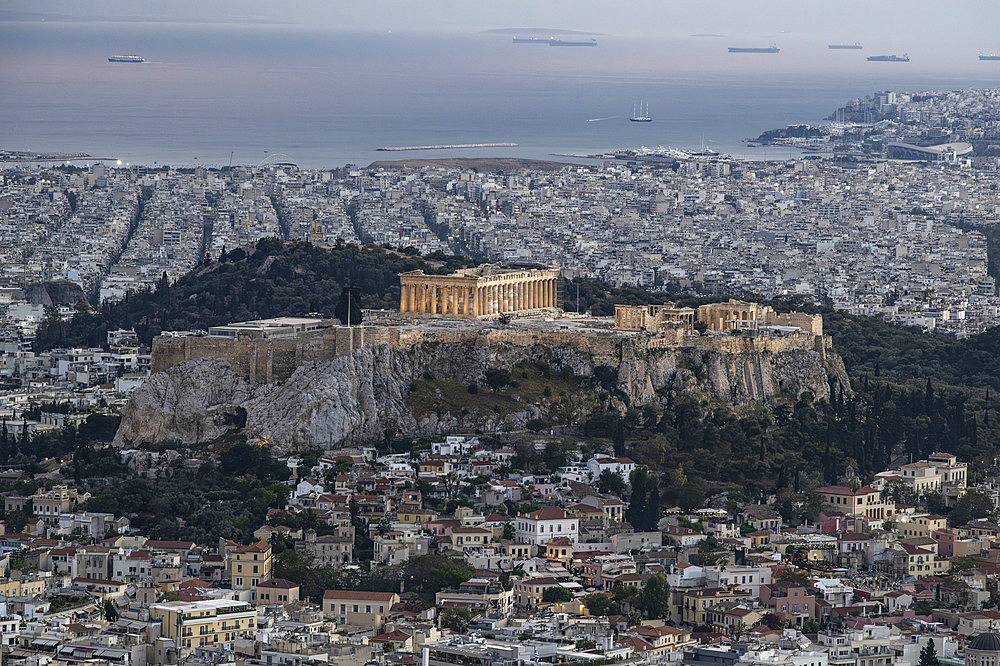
989	56
532	40
126	58
561	42
889	58
754	49
844	47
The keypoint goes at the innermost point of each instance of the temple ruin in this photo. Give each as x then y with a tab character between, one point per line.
485	291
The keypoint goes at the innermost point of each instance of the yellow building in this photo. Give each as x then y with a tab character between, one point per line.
517	551
415	516
22	588
205	623
473	539
359	608
865	502
923	562
50	504
251	565
921	525
695	604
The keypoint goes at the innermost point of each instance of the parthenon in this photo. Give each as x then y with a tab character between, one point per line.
484	291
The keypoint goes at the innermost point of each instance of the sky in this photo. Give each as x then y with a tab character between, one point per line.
966	22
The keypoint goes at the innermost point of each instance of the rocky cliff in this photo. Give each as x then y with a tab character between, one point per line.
356	397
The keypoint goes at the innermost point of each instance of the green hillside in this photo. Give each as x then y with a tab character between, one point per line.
273	280
913	393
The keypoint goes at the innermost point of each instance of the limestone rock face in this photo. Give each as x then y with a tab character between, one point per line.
194	403
355	398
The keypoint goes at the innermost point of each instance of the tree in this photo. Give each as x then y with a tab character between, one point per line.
973	504
556	595
654	600
496	378
810	626
110	612
508	531
456	619
637	507
711	553
773	621
348	309
448	573
928	654
599	603
610	482
935	503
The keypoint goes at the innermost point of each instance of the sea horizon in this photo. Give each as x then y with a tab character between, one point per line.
208	93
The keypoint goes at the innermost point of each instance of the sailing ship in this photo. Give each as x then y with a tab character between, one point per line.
642	116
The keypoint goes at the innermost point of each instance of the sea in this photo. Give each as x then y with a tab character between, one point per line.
217	93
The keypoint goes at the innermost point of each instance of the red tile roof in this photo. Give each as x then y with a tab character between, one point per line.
358	595
546	513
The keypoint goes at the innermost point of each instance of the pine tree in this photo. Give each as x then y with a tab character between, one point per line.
651	516
928	655
636	511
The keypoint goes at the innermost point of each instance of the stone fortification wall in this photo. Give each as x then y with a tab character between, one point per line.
761	344
268	360
205	387
810	323
259	360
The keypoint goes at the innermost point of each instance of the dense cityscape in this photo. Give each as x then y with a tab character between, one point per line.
444	459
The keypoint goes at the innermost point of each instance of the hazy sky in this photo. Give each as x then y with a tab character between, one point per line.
962	21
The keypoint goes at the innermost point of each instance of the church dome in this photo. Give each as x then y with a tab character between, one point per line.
989	642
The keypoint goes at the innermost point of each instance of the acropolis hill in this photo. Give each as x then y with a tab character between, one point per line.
312	381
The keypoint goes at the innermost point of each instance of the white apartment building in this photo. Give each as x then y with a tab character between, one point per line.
541	526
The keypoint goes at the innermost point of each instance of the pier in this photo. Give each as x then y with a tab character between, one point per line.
449	146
